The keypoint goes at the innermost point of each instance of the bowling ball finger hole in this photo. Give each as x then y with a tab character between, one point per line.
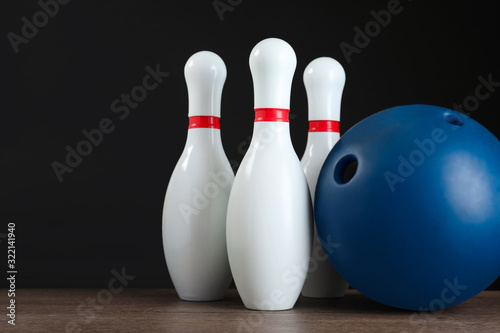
346	169
453	119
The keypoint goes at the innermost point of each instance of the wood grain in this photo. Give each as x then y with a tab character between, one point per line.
160	310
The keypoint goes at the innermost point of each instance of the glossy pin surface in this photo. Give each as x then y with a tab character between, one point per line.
194	212
324	79
269	221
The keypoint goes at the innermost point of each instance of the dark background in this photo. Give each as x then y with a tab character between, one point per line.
106	214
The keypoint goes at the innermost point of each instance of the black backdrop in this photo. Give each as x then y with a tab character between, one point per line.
106	213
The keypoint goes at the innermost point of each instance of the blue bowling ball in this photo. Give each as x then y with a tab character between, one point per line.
407	207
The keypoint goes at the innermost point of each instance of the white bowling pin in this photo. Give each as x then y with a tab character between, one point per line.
269	219
195	208
324	79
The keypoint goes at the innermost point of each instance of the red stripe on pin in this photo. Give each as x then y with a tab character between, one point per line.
204	122
271	114
324	126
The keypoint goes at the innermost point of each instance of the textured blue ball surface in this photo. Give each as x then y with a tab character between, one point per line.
410	196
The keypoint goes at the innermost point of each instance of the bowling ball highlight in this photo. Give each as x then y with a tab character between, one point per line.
410	196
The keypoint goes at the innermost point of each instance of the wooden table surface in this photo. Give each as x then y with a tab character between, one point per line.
160	310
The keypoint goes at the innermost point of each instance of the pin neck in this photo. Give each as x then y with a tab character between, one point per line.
204	122
271	114
204	132
324	126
